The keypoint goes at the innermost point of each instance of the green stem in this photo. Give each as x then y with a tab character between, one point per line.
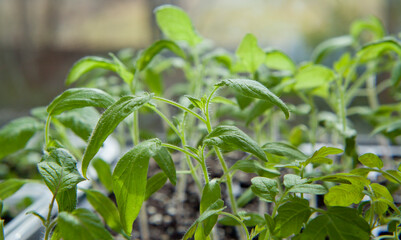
167	145
49	216
220	156
180	106
239	221
204	166
47	130
164	117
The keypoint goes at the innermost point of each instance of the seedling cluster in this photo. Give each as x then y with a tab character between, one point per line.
228	111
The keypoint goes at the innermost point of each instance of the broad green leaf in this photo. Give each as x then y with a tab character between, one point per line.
278	60
153	81
122	70
372	24
396	75
337	223
10	186
381	192
87	64
283	149
243	101
108	122
264	188
291	216
320	156
59	171
106	208
163	158
103	171
214	209
223	100
309	188
258	109
375	50
344	178
81	224
147	55
250	55
210	194
392	175
67	200
176	25
81	121
79	98
232	138
324	48
130	178
252	166
254	89
371	160
344	195
313	76
291	180
154	183
16	134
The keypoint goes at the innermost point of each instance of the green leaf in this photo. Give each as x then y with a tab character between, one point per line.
373	24
176	25
344	178
337	223
250	219
79	98
122	70
285	150
291	216
396	75
81	121
251	166
81	224
258	109
309	188
264	188
166	163
392	175
10	186
59	171
108	122
324	48
147	55
153	81
254	89
16	134
250	55
344	195
278	60
106	208
214	209
130	180
381	192
291	180
371	160
87	64
103	171
320	156
374	50
154	183
67	200
232	138
196	102
210	194
312	76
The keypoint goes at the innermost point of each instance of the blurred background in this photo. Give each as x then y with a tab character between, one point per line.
41	39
